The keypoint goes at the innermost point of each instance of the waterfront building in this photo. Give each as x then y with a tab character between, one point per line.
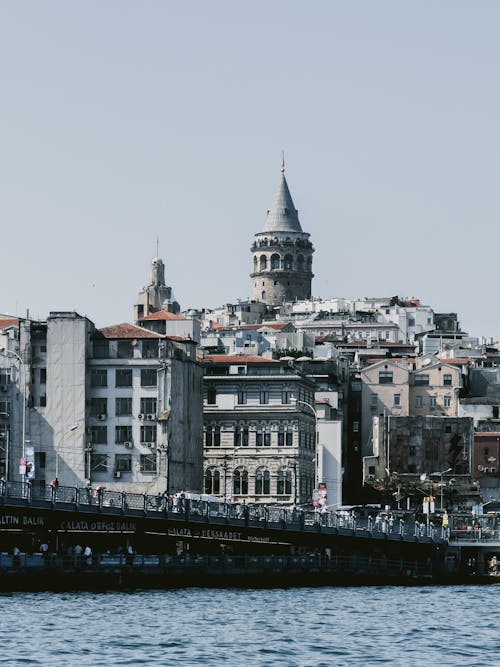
408	388
118	407
281	253
259	430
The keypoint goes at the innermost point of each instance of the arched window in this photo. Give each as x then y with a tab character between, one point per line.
240	482
255	264
288	265
263	296
263	262
262	482
300	262
212	481
284	487
275	261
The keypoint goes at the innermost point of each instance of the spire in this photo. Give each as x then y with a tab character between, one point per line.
282	216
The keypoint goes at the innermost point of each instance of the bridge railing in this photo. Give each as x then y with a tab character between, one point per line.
273	515
355	563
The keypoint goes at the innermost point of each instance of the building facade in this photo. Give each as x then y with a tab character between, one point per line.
259	430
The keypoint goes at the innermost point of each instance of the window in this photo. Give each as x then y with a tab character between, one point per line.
123	407
148	406
217	437
98	377
284	485
99	435
99	463
385	377
258	439
237	437
262	482
208	438
148	434
374	401
149	349
123	434
244	437
285	397
412	450
123	462
397	400
432	402
371	470
123	377
40	460
355	427
212	481
281	438
242	398
447	401
422	380
211	396
240	482
494	411
264	397
289	438
43	376
101	349
447	380
43	401
267	439
98	406
149	377
147	462
418	401
124	349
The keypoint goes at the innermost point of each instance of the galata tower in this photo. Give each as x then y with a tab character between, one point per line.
282	253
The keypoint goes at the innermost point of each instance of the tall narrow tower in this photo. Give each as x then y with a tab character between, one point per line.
282	253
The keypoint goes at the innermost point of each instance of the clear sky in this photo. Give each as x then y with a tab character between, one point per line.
121	121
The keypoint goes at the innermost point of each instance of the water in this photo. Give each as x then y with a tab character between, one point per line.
321	627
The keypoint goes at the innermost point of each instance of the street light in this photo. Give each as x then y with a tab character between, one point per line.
6	415
316	432
59	448
22	370
442	472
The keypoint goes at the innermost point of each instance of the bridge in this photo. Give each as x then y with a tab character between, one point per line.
200	542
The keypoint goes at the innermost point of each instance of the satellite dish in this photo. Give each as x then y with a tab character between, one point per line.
423	477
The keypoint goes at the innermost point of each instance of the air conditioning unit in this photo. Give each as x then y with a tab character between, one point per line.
128	444
151	416
101	417
118	474
141	416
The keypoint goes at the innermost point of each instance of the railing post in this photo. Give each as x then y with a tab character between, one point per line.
145	503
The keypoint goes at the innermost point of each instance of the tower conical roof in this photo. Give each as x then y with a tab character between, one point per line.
282	216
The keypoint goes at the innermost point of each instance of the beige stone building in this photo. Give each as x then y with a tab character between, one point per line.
408	388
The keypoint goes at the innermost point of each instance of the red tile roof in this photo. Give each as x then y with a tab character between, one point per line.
8	323
237	359
487	434
278	326
126	330
161	315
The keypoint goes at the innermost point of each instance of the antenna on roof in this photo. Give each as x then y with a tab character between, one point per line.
282	161
157	245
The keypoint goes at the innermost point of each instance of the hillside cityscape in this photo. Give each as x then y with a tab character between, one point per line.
279	399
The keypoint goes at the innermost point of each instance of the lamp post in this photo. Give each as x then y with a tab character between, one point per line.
6	415
23	434
316	432
58	447
441	473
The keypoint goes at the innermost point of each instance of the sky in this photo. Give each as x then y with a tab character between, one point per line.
122	121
